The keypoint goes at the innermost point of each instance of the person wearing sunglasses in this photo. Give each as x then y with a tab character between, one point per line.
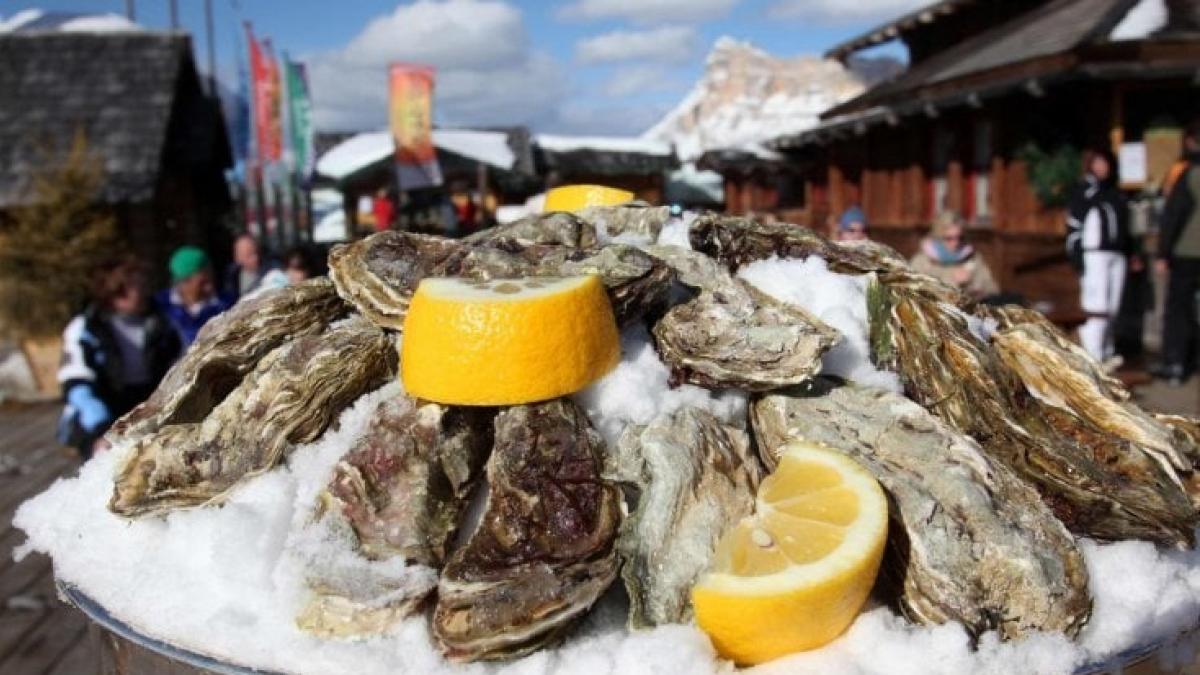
946	255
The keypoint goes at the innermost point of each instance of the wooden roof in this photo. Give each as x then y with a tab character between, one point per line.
892	29
1057	27
135	96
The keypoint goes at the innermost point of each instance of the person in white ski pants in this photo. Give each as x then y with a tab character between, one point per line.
1101	286
1099	229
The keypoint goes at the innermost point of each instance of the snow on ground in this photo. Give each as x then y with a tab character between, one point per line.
839	300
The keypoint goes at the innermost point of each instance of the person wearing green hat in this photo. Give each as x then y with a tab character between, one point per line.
192	299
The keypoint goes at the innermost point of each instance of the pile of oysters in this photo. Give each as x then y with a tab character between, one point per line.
1009	443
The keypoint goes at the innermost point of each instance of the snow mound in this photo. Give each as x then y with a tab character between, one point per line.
229	580
839	300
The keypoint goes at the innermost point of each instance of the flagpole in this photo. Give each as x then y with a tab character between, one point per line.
212	54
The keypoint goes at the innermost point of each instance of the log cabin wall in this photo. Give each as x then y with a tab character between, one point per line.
966	159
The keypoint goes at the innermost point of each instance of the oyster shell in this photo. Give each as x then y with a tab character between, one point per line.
543	552
379	274
695	477
400	491
695	270
636	220
637	283
1009	317
738	336
1068	380
970	541
1098	484
353	596
226	349
404	483
557	227
734	241
291	397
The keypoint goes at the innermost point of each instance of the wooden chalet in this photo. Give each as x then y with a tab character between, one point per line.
136	99
635	164
496	163
989	85
758	180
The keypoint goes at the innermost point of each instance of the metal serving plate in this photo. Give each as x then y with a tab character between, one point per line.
1140	655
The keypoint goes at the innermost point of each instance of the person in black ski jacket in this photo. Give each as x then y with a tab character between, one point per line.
114	355
1179	260
1099	242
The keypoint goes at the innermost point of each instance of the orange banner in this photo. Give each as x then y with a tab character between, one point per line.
410	116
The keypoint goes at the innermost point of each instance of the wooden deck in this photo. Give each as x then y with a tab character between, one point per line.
39	635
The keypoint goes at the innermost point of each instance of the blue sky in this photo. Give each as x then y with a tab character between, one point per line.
583	66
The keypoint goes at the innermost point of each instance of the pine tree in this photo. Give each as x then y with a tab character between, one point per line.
50	245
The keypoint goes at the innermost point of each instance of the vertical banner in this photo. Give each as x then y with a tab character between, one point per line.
410	116
300	120
274	98
264	84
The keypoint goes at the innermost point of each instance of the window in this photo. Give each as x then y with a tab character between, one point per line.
981	167
943	148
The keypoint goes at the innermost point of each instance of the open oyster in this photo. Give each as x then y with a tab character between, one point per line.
400	492
291	397
226	349
969	541
379	274
543	552
1099	485
695	477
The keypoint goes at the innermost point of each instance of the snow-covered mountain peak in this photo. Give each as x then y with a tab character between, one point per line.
747	96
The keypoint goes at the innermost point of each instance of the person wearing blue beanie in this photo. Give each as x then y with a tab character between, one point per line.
852	225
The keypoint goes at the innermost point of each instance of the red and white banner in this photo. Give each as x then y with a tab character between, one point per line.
410	117
264	83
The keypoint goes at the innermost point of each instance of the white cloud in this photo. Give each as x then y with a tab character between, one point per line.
837	11
486	71
670	44
639	80
649	11
605	120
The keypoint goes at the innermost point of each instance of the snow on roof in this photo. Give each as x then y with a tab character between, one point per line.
687	182
21	18
29	20
1142	19
365	149
631	144
489	147
355	153
100	23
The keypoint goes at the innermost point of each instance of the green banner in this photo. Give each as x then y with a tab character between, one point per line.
299	102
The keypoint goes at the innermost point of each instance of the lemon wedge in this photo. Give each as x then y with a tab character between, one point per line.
795	574
507	341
